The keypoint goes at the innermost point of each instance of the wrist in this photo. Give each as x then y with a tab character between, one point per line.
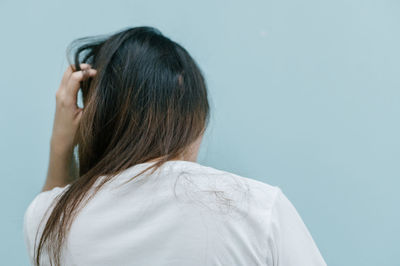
60	148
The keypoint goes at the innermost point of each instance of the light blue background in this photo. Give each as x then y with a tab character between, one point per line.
305	96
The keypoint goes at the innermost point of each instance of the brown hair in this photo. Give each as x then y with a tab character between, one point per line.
148	100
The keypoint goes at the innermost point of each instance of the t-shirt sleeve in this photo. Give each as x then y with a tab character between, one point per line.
33	215
28	230
291	242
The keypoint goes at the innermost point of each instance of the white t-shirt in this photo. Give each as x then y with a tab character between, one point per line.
183	214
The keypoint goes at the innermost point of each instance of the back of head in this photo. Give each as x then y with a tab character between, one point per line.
148	99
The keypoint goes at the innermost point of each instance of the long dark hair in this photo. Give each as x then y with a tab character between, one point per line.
148	100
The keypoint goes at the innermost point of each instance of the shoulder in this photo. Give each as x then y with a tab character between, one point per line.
40	204
42	201
35	212
286	234
261	195
258	187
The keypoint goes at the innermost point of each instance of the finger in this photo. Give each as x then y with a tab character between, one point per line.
78	76
82	66
73	83
70	69
66	75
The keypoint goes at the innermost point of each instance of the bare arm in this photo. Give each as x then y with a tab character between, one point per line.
62	168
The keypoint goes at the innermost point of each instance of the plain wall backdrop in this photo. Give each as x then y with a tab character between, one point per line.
305	96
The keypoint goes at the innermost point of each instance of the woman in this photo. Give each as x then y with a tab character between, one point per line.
139	196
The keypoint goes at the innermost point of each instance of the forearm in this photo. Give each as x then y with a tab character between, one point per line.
62	168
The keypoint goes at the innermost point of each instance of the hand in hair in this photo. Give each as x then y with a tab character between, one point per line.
62	166
68	114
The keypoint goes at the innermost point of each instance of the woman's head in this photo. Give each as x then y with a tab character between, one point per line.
147	101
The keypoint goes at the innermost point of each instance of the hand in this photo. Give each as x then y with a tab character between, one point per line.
68	114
